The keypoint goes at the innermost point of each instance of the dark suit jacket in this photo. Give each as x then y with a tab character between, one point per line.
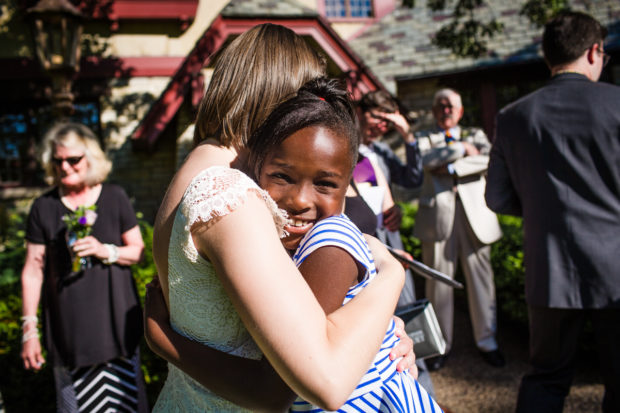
556	162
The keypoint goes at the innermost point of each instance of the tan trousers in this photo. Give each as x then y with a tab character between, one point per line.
475	260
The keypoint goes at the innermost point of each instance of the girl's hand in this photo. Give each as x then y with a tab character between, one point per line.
154	303
406	255
88	246
156	318
404	349
392	218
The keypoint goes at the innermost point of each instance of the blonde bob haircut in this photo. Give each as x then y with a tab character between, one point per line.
75	136
259	70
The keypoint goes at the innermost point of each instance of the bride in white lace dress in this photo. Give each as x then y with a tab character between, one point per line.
228	281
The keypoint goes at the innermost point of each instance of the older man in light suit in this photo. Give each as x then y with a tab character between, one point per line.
453	222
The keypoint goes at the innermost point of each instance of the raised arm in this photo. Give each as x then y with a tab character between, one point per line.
409	174
321	357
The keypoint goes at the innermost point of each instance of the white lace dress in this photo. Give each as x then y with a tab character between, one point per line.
199	306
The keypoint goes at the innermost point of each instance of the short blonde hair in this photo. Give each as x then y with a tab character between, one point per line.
75	135
259	70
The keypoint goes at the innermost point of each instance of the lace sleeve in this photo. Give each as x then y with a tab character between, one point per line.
218	191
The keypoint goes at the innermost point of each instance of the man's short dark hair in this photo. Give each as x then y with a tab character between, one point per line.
568	35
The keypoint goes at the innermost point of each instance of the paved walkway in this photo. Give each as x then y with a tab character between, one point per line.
467	384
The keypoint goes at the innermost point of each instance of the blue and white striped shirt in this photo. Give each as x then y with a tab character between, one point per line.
382	388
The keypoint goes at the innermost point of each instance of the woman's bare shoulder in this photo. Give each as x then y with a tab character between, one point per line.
199	159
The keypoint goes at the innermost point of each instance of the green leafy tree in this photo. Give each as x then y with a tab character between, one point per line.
539	11
465	35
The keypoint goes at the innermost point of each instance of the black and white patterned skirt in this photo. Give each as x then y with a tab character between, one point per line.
116	385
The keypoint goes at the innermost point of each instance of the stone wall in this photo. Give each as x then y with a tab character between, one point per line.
144	175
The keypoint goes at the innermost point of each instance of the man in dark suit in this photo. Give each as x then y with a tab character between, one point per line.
556	162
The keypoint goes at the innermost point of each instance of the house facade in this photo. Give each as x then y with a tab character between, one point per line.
145	65
144	68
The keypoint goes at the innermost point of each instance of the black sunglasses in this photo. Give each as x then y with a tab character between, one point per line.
71	160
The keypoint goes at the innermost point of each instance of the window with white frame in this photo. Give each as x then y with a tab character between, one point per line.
348	8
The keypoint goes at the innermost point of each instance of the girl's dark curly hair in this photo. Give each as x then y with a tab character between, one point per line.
320	102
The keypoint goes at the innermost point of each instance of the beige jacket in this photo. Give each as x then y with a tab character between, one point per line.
437	203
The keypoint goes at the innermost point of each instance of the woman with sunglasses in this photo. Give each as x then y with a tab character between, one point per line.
92	322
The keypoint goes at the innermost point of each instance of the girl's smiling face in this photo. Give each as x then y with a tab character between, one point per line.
307	175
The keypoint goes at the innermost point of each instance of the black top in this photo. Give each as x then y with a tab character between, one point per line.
360	213
93	316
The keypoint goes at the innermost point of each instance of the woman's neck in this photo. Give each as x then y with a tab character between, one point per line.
74	197
235	158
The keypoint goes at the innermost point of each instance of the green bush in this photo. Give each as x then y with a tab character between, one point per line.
412	245
153	367
12	254
509	269
16	384
506	260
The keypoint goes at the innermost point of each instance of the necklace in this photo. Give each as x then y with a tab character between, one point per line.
87	197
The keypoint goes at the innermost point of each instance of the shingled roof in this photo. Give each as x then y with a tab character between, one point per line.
399	45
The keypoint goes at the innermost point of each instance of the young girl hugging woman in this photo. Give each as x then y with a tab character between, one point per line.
303	156
230	286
